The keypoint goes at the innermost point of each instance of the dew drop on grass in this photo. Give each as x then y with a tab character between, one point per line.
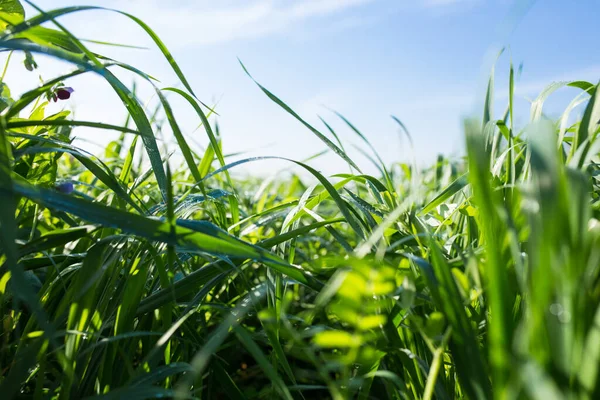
556	309
65	187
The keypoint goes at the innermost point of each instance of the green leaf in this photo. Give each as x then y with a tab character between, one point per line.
53	239
11	13
12	7
538	103
590	122
129	100
336	339
185	148
189	235
5	99
456	186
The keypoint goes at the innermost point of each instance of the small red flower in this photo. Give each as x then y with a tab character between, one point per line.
62	93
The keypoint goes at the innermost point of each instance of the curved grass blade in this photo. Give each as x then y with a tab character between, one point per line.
52	15
299	232
218	336
95	166
131	103
538	103
456	186
204	120
204	236
331	190
185	148
260	358
323	138
590	122
386	173
26	123
53	239
30	96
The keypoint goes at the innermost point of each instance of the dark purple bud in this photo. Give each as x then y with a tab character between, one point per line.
63	93
54	98
64	187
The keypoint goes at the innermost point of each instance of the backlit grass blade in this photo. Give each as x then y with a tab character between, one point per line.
323	138
456	186
538	103
185	149
386	174
95	166
52	15
125	174
204	120
214	146
14	8
135	109
289	235
30	96
590	122
206	238
14	123
404	130
335	135
331	190
501	297
54	239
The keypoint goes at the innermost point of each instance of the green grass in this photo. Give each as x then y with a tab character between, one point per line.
477	279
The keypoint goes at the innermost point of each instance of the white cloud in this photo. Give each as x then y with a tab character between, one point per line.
464	98
203	23
443	8
448	3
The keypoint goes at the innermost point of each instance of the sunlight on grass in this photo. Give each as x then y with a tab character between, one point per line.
124	276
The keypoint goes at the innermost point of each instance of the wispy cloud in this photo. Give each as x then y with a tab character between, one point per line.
204	23
463	99
448	3
445	7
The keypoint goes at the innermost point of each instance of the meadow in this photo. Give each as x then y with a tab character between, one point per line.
125	275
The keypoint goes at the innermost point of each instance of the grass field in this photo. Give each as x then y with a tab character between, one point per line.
125	276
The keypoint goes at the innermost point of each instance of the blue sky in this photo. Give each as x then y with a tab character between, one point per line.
423	61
